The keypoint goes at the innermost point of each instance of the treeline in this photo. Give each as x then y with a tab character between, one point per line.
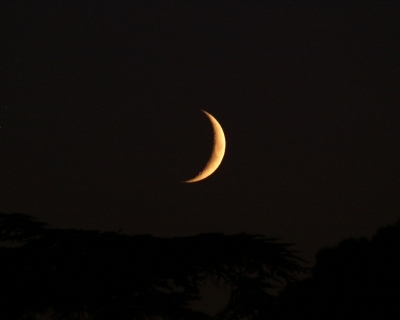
79	274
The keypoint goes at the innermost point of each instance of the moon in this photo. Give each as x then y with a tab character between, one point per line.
217	152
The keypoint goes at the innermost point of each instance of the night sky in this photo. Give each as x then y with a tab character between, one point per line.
100	116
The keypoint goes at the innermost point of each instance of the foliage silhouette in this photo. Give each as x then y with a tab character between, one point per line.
358	279
77	274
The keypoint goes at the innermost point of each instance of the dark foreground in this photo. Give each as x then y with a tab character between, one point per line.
78	274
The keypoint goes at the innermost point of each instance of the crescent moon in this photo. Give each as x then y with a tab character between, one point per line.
217	153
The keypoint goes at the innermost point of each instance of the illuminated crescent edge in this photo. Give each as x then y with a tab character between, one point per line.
217	153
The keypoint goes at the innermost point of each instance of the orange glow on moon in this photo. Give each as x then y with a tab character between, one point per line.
217	153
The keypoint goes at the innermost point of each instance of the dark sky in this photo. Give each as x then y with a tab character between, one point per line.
100	116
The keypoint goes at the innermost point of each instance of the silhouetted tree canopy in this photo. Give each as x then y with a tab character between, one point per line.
77	274
358	279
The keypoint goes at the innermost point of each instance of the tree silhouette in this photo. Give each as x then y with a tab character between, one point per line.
358	279
78	274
